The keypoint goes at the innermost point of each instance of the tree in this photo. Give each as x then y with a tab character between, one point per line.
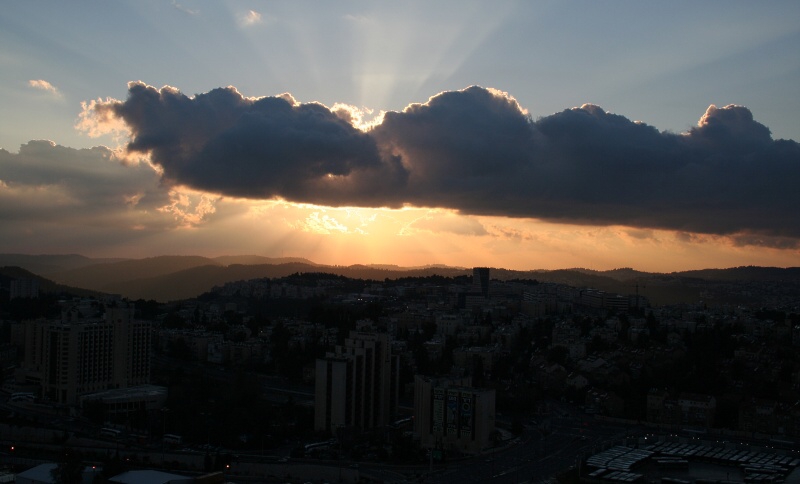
558	354
280	347
147	309
173	320
94	411
501	369
113	467
428	330
178	348
477	371
422	359
69	469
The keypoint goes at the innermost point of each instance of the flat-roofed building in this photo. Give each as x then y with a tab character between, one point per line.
76	355
127	401
357	384
451	415
480	281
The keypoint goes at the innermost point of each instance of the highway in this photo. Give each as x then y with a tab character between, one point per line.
540	453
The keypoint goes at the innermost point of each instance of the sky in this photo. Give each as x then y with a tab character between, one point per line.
525	135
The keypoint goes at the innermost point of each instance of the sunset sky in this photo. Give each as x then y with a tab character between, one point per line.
661	136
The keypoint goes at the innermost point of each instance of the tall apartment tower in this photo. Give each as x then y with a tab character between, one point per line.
480	280
357	384
79	355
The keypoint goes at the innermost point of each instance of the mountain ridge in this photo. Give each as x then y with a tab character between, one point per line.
167	278
9	273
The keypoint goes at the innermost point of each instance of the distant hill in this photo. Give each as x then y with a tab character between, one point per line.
622	274
49	264
192	282
395	267
572	277
745	273
227	260
10	273
106	276
657	288
168	278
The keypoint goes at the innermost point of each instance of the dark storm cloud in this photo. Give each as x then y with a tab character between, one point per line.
268	147
467	150
724	176
477	151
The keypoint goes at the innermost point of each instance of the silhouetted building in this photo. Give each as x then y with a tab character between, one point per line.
757	415
688	409
357	384
76	355
451	415
480	280
125	403
477	296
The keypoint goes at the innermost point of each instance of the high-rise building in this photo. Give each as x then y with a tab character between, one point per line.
480	280
77	355
451	415
357	384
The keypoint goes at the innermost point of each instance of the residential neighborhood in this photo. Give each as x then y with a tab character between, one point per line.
397	370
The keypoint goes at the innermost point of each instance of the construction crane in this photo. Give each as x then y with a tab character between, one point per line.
637	286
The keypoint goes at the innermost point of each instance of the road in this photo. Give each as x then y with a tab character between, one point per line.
544	450
555	443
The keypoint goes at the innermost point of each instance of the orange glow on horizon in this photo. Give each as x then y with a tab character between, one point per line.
422	236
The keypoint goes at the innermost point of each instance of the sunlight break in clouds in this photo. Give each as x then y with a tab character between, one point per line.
43	85
190	208
466	178
358	117
95	121
56	199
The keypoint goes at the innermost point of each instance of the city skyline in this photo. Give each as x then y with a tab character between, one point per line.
523	135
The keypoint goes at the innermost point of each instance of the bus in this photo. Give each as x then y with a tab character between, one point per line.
316	447
109	432
22	397
172	439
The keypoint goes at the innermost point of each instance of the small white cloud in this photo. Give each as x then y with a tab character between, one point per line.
356	18
43	85
251	18
184	9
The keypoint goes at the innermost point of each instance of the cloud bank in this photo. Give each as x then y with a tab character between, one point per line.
476	151
87	196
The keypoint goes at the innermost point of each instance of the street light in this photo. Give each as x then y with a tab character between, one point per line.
164	411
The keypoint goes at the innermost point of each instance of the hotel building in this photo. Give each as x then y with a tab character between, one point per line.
77	355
